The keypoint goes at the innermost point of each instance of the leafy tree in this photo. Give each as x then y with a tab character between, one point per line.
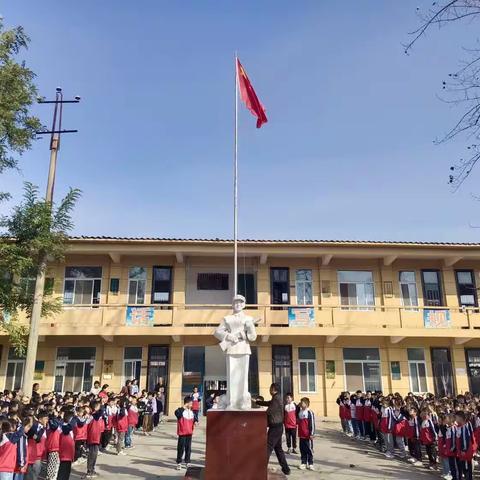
462	88
17	94
35	230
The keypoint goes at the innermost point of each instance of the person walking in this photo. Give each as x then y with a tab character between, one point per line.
275	426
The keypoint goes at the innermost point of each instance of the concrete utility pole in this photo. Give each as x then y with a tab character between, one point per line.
55	133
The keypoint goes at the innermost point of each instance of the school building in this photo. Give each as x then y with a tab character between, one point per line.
333	316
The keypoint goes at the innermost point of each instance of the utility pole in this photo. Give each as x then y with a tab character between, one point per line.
55	134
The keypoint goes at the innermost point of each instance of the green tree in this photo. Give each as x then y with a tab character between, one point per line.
33	231
17	94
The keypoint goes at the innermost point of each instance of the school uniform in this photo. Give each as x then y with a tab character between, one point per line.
94	432
36	450
428	437
121	425
413	438
52	447
466	448
290	424
185	423
147	423
67	451
21	465
80	435
368	417
8	452
132	422
359	416
306	430
107	432
196	398
450	450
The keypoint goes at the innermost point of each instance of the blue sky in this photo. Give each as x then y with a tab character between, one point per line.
348	151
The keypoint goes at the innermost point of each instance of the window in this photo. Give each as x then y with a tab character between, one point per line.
417	370
27	285
356	288
82	285
74	369
307	369
15	368
247	288
467	292
132	363
362	369
432	288
161	284
408	289
279	278
137	280
212	281
303	287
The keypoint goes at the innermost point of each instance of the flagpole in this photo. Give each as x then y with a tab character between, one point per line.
235	188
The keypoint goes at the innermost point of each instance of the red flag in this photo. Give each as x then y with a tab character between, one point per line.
248	95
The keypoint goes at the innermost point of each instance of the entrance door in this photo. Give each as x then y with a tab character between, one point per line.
282	367
473	368
157	369
442	372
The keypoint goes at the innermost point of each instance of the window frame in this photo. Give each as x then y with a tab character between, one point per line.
272	281
137	280
457	284
303	283
377	362
356	307
307	362
131	360
440	287
93	301
65	362
400	283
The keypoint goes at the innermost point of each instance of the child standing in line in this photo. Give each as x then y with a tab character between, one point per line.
132	415
121	425
52	447
67	447
428	437
147	424
80	434
185	423
466	446
37	438
413	438
290	423
95	428
8	449
306	432
21	464
196	398
110	412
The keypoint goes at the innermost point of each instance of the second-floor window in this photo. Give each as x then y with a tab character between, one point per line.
280	286
356	288
82	285
432	288
408	289
303	287
161	284
137	280
212	281
467	292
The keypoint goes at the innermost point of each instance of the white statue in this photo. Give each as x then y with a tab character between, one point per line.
234	333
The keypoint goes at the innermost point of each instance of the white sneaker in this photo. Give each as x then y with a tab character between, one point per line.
447	476
389	455
411	460
302	466
121	452
310	467
179	466
418	463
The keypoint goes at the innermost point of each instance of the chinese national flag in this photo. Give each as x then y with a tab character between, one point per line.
248	95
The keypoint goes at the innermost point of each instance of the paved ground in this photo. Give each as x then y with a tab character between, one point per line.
336	457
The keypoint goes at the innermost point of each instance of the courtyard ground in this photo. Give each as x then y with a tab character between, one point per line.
336	457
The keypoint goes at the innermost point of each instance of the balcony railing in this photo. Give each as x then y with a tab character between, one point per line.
209	315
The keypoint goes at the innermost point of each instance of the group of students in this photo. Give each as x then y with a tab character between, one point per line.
42	436
444	430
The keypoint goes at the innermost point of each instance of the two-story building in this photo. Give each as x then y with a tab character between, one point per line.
332	316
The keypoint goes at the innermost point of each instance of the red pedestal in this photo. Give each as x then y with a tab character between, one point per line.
236	445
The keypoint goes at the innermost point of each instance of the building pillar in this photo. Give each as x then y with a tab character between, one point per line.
459	367
264	369
174	396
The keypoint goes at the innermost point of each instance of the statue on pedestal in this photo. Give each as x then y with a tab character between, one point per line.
235	332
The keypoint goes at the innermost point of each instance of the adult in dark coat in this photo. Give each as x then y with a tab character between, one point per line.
275	426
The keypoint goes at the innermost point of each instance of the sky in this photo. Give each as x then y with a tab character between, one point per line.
348	151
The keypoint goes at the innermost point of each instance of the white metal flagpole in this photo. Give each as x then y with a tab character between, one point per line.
235	188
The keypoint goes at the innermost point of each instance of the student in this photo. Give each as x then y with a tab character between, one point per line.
185	422
450	448
36	449
147	424
196	399
466	446
8	448
132	415
413	438
80	435
96	425
109	415
306	432
21	464
52	446
428	437
290	423
67	446
121	425
386	426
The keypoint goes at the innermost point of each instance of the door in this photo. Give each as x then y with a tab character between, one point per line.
442	372
157	369
246	287
282	368
473	369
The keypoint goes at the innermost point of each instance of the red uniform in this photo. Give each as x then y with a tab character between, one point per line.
132	416
185	419
8	455
95	429
67	447
290	415
428	435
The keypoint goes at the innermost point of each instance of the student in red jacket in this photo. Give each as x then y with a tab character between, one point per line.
21	465
95	428
196	400
306	432
108	417
36	440
132	414
428	437
52	446
121	425
466	446
185	422
290	423
80	434
67	446
8	449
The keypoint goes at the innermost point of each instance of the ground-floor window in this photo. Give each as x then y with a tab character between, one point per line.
74	369
362	369
15	368
282	368
307	370
442	372
132	363
417	369
473	369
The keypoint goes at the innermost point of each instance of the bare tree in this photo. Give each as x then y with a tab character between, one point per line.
462	88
